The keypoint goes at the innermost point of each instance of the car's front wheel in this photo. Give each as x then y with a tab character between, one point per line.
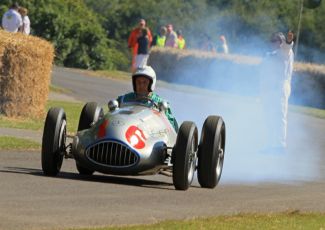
211	152
184	155
53	142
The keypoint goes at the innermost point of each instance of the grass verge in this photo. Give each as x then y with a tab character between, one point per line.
72	110
293	220
14	143
319	113
57	89
112	74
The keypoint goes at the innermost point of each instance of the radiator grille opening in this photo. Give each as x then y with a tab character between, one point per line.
110	153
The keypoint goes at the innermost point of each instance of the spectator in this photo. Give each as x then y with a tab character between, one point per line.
171	37
222	46
207	44
143	49
276	75
181	41
160	39
25	28
133	40
11	20
289	41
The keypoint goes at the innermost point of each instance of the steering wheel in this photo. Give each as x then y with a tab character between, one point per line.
139	99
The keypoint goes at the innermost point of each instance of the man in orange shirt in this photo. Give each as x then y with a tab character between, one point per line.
133	40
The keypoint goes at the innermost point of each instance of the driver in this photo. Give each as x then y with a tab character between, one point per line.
144	82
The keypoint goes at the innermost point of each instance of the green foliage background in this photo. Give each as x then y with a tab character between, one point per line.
93	34
76	32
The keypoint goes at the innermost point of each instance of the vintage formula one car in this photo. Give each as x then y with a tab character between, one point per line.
135	139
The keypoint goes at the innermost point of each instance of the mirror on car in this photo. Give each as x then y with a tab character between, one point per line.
163	105
112	105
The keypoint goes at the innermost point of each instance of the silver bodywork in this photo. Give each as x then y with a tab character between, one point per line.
130	140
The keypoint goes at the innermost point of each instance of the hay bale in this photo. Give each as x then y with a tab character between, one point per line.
25	70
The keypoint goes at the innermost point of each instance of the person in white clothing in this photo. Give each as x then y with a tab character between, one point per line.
11	20
276	76
171	37
25	28
222	47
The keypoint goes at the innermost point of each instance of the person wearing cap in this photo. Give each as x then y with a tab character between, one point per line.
11	20
276	74
171	37
180	40
160	39
133	40
144	82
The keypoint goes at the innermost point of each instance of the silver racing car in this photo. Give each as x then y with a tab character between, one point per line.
135	138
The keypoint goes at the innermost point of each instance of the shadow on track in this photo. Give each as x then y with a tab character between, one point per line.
109	179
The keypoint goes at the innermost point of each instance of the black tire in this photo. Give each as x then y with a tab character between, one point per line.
90	113
84	171
184	155
211	152
53	142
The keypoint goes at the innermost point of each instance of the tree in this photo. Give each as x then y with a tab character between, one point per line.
75	31
93	34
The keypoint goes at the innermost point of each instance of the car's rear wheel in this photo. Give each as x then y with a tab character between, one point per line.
184	155
90	113
53	142
211	152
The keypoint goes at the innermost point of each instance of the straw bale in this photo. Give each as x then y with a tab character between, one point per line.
25	69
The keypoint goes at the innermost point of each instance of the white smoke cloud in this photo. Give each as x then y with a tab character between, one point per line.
236	98
244	161
246	132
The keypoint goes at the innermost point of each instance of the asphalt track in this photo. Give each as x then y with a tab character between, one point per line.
251	181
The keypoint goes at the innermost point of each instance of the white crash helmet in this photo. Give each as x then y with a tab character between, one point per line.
148	72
